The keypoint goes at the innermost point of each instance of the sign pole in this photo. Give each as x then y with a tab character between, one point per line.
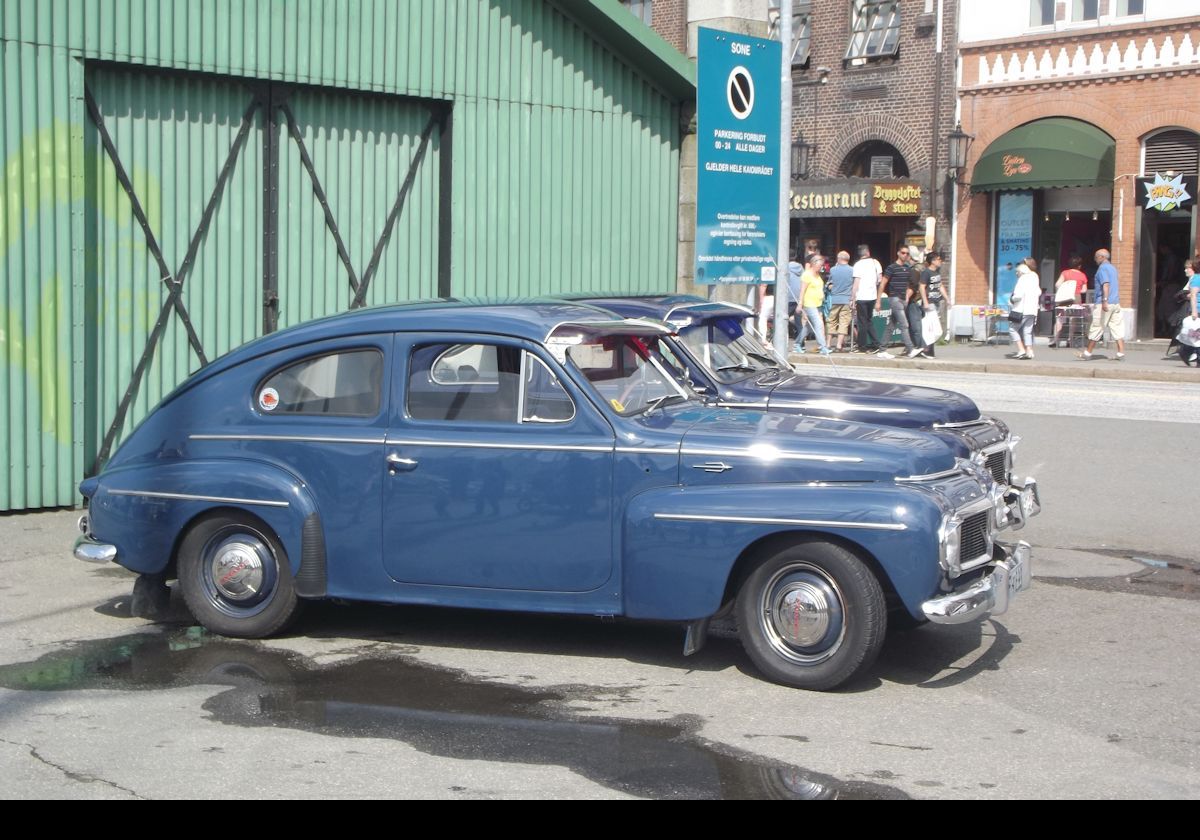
785	179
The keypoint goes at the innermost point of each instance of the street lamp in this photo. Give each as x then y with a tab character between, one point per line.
801	154
959	142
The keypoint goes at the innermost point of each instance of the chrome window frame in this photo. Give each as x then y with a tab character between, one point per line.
521	394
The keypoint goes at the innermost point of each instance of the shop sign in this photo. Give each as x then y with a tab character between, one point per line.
856	198
1165	193
1011	165
737	184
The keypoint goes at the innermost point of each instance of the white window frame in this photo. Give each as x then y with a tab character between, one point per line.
801	30
874	30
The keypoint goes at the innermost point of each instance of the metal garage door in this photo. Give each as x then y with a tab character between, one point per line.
220	209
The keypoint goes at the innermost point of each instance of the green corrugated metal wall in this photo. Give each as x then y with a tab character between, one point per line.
561	161
360	147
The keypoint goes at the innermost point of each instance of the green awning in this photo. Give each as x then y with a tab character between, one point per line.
1049	153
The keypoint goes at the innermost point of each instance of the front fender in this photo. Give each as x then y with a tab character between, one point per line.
680	545
144	509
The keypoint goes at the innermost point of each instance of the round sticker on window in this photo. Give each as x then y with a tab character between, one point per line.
268	399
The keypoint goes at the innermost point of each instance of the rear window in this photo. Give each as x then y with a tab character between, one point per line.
345	383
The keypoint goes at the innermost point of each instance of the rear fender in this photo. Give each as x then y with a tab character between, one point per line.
144	510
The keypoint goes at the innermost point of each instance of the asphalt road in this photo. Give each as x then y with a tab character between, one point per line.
1085	688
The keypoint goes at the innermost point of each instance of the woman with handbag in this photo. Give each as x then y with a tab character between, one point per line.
1025	300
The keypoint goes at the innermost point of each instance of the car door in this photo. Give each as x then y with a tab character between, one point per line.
497	476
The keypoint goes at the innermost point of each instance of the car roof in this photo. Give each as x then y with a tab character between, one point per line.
664	306
531	319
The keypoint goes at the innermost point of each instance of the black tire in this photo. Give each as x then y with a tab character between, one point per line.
235	577
844	616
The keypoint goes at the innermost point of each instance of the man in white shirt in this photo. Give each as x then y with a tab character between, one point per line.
865	293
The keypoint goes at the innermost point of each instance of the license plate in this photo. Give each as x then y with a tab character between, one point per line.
1017	575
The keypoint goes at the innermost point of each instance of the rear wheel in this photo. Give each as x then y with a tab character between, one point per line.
235	577
812	616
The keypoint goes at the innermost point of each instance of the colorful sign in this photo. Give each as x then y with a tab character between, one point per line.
856	198
1014	240
1166	193
737	183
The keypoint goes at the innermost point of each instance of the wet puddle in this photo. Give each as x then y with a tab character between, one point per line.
437	711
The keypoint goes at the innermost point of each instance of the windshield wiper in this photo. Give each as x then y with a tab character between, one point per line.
724	368
771	360
781	374
660	401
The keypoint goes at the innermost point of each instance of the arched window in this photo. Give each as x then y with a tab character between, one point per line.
875	159
1174	150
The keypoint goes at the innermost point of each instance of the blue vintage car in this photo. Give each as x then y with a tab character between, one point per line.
541	457
715	350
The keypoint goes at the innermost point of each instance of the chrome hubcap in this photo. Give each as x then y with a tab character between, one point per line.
237	568
803	614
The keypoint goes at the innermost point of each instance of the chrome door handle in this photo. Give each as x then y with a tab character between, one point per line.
397	464
713	467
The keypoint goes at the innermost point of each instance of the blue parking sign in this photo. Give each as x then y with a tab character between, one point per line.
737	158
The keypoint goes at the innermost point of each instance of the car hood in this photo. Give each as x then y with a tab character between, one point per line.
907	406
744	445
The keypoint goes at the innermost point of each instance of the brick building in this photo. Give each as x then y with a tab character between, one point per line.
1074	107
873	102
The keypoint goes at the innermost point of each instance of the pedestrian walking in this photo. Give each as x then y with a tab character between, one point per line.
1069	290
932	298
897	286
812	295
1026	298
841	281
1190	352
1106	307
865	292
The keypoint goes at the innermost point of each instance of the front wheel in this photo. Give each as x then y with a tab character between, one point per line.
235	577
812	616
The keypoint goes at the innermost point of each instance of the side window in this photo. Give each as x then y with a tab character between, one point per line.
545	399
345	383
488	383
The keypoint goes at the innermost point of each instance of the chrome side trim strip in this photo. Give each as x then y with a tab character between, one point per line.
782	456
647	450
937	476
463	444
839	405
964	424
290	438
767	520
192	497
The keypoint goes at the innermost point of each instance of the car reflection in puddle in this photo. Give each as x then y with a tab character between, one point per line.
437	711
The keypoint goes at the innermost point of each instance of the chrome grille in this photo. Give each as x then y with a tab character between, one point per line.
974	537
997	465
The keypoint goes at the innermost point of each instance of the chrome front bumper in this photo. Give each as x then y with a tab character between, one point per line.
1022	502
93	551
1010	573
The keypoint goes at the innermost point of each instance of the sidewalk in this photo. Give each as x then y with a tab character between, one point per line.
1143	361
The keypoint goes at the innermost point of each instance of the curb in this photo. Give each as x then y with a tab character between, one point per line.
1081	370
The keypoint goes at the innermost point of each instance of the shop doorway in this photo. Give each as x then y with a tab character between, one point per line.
1168	246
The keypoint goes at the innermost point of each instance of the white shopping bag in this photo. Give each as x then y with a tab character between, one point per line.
931	327
1189	332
